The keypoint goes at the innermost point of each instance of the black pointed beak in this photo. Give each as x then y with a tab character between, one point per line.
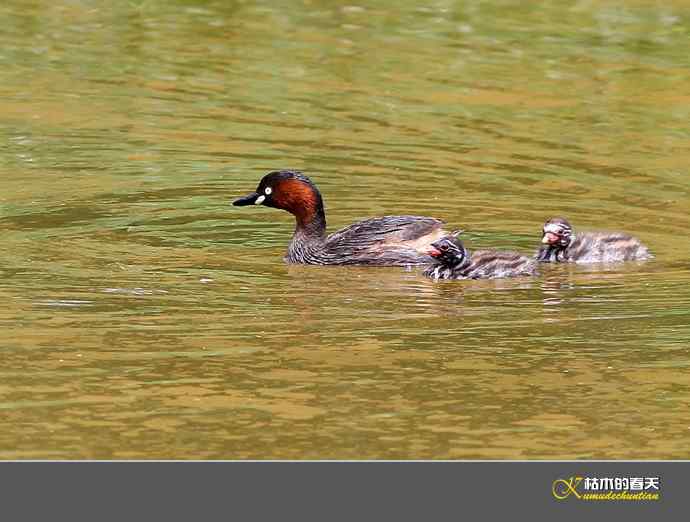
249	199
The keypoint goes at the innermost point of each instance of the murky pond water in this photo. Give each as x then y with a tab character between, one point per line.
144	317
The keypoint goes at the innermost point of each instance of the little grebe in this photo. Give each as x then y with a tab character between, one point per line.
453	261
559	244
384	241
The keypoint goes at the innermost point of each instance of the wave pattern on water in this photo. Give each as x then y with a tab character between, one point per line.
144	317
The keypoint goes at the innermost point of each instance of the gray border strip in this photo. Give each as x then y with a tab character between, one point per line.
325	491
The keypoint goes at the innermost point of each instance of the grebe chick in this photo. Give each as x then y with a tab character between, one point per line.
560	244
454	261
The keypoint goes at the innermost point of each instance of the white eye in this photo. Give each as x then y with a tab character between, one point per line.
268	190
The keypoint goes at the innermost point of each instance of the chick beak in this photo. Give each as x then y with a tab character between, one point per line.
433	252
550	238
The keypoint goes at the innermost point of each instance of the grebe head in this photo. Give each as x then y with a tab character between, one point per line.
287	190
557	232
449	250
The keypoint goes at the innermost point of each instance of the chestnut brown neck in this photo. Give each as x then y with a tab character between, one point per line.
305	203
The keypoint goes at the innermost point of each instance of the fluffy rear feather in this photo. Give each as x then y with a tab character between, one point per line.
384	241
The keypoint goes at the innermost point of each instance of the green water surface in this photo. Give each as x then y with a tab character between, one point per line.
144	317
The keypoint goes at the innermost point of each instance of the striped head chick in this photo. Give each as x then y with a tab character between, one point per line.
557	236
450	257
559	244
